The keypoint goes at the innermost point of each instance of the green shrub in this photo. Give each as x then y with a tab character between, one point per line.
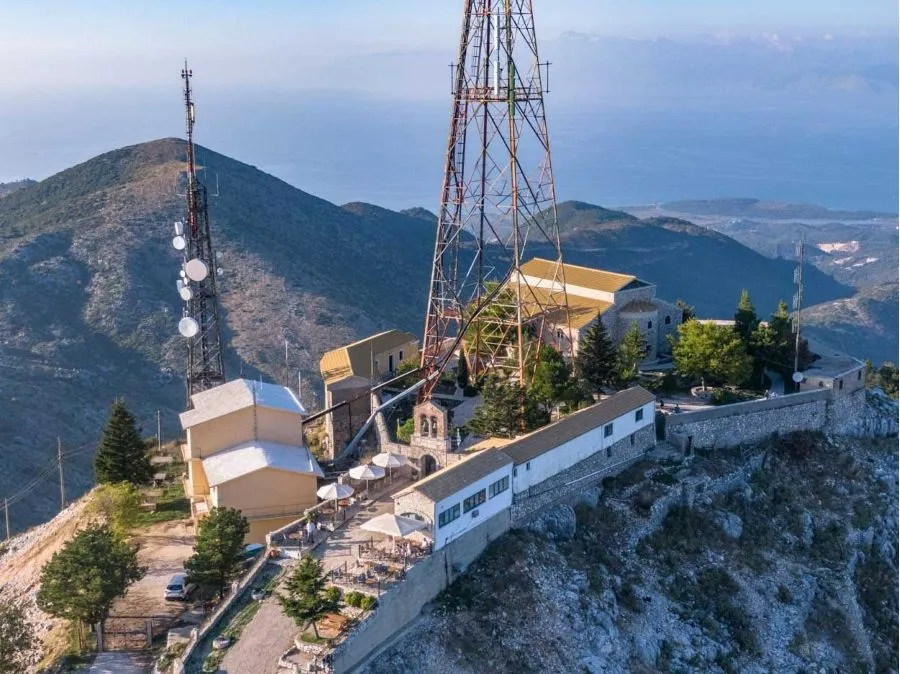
368	603
333	595
664	478
353	598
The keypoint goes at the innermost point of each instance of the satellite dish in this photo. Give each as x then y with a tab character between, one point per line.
188	327
219	271
179	243
797	377
179	228
186	293
196	270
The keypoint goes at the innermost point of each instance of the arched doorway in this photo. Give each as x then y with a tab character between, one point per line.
429	465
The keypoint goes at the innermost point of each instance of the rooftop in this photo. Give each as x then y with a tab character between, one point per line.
355	360
831	362
249	457
582	310
575	275
576	424
236	395
457	477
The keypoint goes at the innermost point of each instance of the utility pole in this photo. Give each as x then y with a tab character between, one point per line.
6	510
798	302
158	433
300	386
62	484
287	369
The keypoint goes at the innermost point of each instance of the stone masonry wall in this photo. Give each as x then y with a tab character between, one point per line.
424	581
581	476
746	423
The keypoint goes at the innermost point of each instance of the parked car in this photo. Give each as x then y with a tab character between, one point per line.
178	588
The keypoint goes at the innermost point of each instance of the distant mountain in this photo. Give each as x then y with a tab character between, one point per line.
422	213
88	305
9	188
769	210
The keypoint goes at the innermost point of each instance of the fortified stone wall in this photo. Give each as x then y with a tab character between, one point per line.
581	476
746	423
401	604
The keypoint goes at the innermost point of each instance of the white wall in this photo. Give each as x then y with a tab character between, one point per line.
569	453
465	521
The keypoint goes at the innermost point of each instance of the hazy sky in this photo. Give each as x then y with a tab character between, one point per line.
97	42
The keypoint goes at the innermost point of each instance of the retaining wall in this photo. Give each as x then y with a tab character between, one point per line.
746	423
401	604
582	476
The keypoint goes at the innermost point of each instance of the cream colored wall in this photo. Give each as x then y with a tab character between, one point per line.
410	350
232	429
197	478
265	491
259	528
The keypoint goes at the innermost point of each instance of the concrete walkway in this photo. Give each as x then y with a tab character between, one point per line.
271	633
119	663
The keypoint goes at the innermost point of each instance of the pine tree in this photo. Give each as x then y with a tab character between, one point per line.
745	320
122	454
552	376
632	350
688	313
217	555
81	581
462	372
306	600
595	363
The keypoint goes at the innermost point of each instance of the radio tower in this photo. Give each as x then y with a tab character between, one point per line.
197	285
497	202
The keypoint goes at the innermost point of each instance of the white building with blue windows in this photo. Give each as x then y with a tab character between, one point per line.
460	497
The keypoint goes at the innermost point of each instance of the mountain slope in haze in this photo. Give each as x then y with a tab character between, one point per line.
769	210
9	188
88	304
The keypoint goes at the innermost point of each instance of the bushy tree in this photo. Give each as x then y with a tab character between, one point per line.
773	345
122	455
632	350
710	351
407	366
217	557
595	363
745	320
688	313
118	504
81	581
307	599
552	381
506	410
885	377
16	638
406	429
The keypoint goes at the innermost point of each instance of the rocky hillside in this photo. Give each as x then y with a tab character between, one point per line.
785	561
9	188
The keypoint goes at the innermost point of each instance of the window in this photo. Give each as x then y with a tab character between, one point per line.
390	362
400	355
499	486
433	427
607	430
609	452
423	426
859	375
821	384
474	500
649	324
639	415
515	472
632	439
841	384
668	320
448	515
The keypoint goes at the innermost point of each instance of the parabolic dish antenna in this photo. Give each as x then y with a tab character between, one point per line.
186	293
188	327
797	377
178	243
196	270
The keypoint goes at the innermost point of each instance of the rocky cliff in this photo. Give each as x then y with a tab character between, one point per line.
780	559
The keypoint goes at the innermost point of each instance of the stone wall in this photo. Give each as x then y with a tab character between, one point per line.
401	604
583	475
746	423
342	424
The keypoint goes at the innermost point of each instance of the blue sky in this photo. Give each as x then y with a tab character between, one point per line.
95	42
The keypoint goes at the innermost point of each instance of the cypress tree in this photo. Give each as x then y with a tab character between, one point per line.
595	362
122	456
745	320
462	372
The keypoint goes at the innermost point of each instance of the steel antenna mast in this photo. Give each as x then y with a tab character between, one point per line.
197	286
498	205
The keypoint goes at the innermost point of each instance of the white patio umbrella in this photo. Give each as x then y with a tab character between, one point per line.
366	472
334	492
390	461
393	525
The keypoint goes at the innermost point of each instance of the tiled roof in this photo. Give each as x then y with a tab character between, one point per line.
249	457
575	275
582	310
457	477
577	424
355	360
236	395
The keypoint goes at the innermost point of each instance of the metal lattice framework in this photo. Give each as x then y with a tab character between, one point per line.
205	368
498	202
